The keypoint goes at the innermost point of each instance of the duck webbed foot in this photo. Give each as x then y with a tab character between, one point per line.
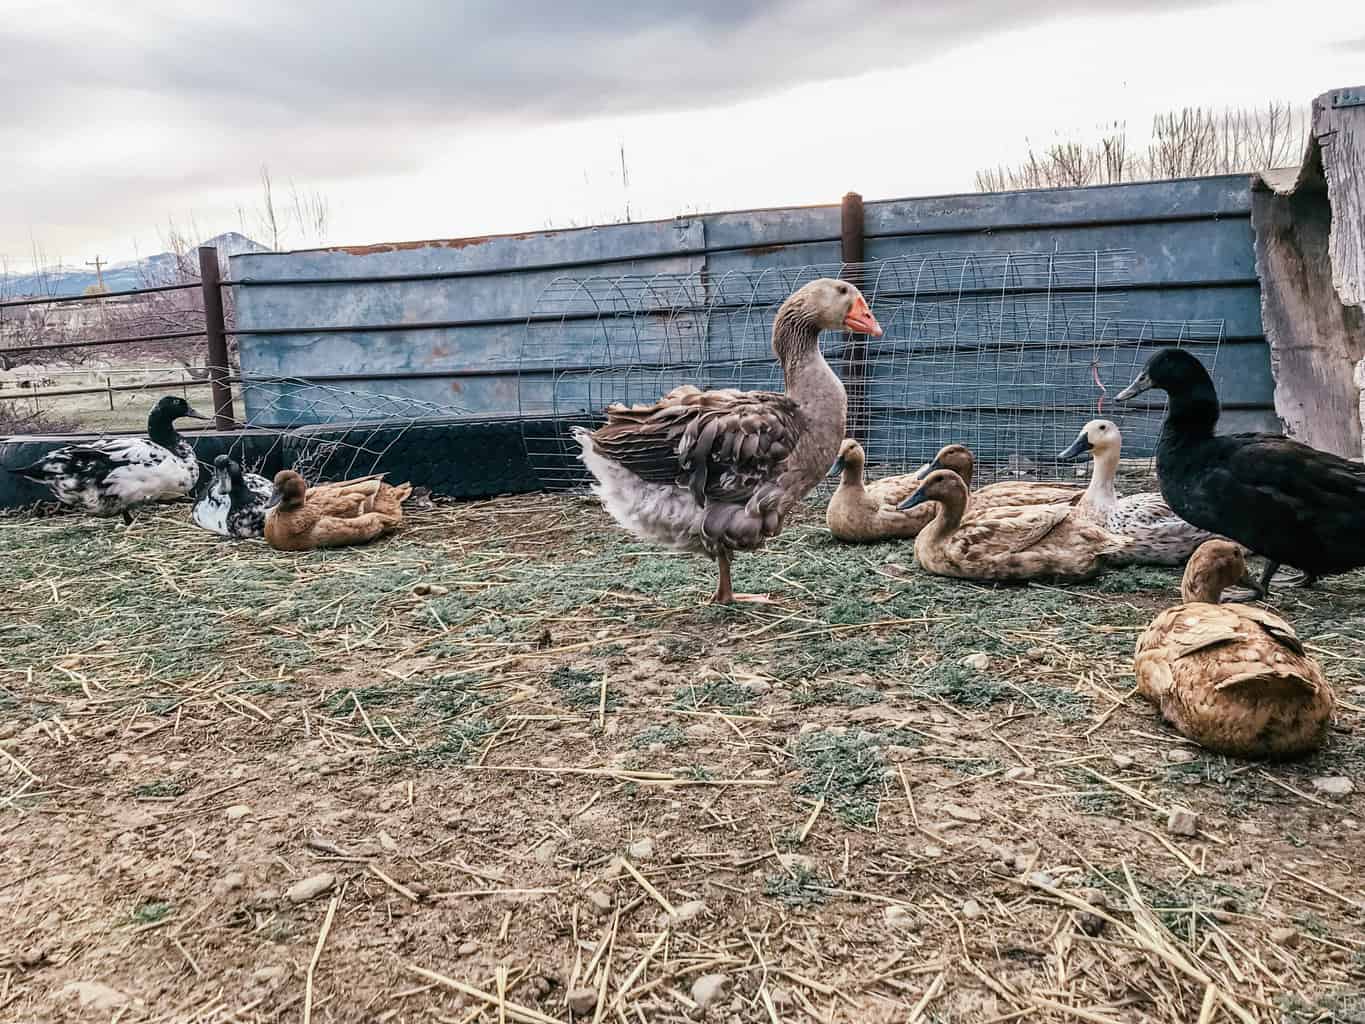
725	594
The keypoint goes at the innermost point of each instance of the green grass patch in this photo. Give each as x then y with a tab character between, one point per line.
162	788
846	769
580	689
151	912
669	735
834	692
802	888
714	693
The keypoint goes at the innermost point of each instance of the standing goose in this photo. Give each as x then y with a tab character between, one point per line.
234	503
715	472
1159	536
115	475
862	511
1283	500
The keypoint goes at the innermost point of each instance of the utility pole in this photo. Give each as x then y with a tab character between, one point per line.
98	264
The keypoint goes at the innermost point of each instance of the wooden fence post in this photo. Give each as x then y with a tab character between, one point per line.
855	347
215	333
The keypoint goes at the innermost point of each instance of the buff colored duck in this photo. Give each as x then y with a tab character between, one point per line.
1005	493
1159	536
332	518
1008	544
1232	677
863	511
716	472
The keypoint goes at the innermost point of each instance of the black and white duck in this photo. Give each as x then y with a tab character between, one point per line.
115	475
1289	503
1159	536
234	503
715	472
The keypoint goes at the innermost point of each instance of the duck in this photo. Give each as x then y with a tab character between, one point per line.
718	472
117	475
1010	543
1159	536
1232	677
1004	493
1289	503
233	505
861	511
333	518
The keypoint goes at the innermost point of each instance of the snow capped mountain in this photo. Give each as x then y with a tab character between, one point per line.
157	269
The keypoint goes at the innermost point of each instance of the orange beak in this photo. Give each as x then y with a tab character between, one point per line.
860	319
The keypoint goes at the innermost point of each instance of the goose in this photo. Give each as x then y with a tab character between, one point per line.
1232	677
1003	494
234	503
1159	536
1009	544
862	511
1289	503
115	475
716	472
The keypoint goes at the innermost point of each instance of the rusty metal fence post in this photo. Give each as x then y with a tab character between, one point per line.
855	345
215	333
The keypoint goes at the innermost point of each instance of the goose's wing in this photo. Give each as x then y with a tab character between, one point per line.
721	445
1012	529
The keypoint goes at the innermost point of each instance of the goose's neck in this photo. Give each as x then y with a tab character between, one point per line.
796	343
161	430
1101	493
1192	413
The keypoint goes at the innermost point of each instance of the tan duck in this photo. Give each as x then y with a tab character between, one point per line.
300	519
1008	544
715	472
862	511
1159	536
1232	677
1005	493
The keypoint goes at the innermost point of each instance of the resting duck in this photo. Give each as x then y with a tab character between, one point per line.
1232	677
234	503
115	475
1283	500
1159	536
333	518
715	472
1005	493
1010	544
860	512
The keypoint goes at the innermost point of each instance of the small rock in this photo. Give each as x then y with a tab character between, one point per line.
311	887
1015	774
708	988
1182	822
601	901
582	1001
933	851
237	812
230	882
1286	937
271	974
782	999
1181	755
1122	762
95	995
1042	879
1036	654
897	754
1093	924
1334	785
971	910
641	849
897	916
684	912
615	869
980	661
430	590
388	842
962	813
808	727
546	851
468	948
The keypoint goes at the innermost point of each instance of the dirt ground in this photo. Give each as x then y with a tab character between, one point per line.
507	766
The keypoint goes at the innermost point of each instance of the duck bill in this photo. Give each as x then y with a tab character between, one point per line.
925	470
1143	383
837	468
192	413
275	498
918	498
860	319
1079	447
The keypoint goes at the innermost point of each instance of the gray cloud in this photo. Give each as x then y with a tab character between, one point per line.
342	89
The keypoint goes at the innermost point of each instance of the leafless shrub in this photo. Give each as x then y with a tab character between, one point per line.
1191	142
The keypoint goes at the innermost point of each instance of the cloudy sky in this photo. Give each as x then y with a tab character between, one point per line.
439	119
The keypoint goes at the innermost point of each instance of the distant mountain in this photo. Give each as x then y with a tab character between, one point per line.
159	269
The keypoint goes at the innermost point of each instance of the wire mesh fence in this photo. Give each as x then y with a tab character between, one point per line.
1008	353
